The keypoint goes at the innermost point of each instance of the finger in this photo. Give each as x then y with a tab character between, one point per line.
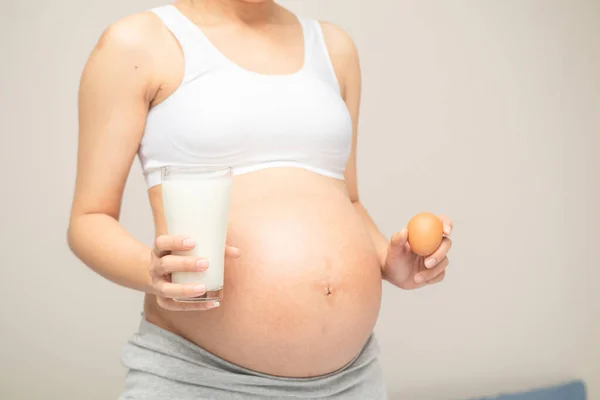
177	290
399	239
164	244
170	263
439	254
447	224
232	252
172	305
430	274
437	279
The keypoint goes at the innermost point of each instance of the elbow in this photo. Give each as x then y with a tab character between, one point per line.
72	235
353	196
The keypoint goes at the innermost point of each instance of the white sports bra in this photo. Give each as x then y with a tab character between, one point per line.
222	114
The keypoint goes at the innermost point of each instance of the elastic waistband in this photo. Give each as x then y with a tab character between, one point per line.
153	175
159	352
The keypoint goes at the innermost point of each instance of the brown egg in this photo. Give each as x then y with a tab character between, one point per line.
425	233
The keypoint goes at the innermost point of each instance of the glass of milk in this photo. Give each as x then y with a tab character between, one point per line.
196	204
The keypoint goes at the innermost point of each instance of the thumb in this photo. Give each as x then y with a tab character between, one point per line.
398	242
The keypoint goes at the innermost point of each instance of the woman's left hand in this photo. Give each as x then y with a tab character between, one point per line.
407	270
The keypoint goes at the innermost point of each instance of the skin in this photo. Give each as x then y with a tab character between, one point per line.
123	79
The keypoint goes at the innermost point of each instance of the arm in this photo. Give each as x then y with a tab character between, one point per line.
117	87
345	60
399	265
114	96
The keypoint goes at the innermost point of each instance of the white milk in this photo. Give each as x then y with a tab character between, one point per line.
198	207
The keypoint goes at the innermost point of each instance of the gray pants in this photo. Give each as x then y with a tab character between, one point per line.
164	366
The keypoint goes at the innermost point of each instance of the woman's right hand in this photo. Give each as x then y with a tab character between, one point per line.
164	263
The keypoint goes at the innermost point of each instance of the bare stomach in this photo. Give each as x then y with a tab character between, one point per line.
305	295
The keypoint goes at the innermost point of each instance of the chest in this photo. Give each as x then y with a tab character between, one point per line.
225	113
271	50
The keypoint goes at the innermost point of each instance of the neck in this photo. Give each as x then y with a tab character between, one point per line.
236	10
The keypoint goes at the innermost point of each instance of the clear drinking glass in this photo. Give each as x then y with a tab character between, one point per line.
196	204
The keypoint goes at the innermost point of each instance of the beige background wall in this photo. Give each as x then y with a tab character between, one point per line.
485	110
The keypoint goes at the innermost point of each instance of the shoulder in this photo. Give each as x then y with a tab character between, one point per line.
134	34
339	42
343	54
128	52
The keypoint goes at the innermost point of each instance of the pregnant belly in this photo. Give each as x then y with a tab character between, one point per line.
305	295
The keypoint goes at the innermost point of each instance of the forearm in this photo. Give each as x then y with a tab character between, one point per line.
104	246
379	240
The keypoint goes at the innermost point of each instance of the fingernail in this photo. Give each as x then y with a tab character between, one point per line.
189	242
447	230
213	305
431	262
419	278
201	265
200	289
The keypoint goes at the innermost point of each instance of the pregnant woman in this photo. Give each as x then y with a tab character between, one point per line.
247	84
